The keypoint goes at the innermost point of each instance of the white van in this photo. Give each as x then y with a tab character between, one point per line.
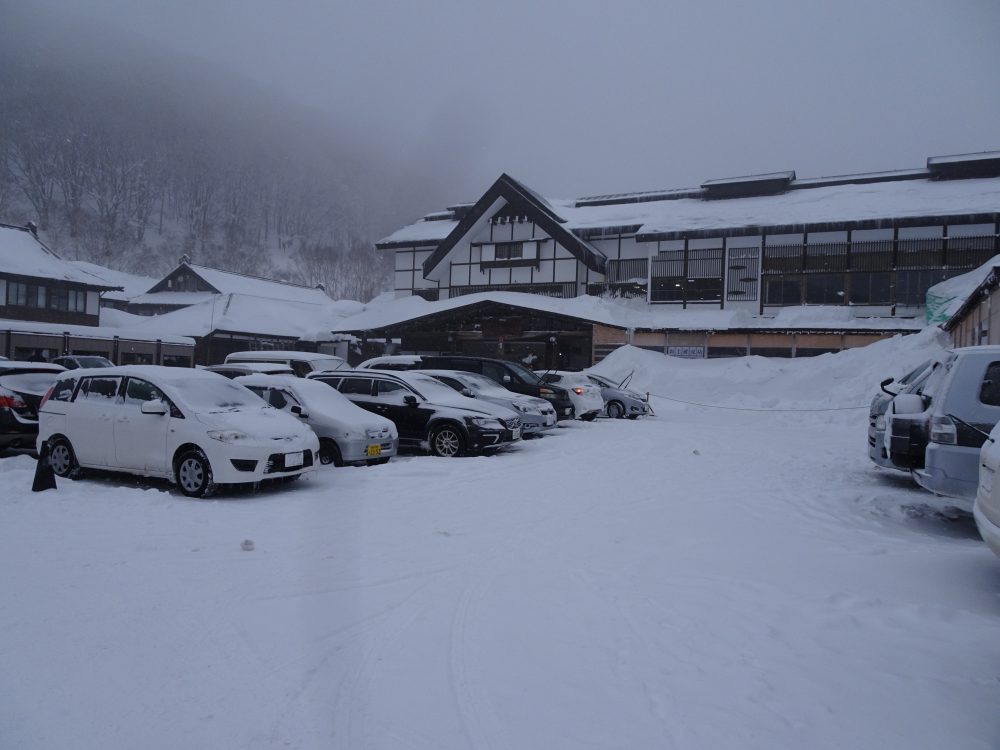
301	363
194	427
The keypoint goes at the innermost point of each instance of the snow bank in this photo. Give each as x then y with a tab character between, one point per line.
829	381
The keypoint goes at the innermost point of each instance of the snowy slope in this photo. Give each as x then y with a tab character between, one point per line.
704	579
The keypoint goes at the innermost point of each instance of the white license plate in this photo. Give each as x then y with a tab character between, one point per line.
293	460
517	432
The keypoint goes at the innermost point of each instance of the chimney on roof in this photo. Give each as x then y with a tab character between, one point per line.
185	258
33	228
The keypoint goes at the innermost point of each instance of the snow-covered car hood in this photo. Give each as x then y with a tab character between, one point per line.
474	405
264	423
342	420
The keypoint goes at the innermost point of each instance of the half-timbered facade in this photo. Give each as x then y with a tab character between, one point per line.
871	243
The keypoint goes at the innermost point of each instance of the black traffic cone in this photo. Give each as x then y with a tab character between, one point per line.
45	478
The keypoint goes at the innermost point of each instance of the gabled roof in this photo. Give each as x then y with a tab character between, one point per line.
525	201
23	254
228	282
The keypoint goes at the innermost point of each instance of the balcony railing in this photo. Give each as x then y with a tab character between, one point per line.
628	270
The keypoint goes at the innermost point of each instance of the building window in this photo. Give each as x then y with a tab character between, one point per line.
25	295
783	290
70	300
509	251
825	288
871	289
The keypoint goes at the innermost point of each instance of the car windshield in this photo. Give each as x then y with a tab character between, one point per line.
208	396
525	374
482	384
328	364
432	389
87	362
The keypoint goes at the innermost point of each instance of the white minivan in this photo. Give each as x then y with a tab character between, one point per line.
194	427
301	363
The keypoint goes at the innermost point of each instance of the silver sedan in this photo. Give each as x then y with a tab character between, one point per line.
536	414
619	401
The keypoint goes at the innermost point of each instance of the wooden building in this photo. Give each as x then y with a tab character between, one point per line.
869	243
38	285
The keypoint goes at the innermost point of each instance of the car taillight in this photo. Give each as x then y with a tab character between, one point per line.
578	391
45	398
11	400
943	430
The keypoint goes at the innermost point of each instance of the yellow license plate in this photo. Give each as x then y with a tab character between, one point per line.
374	450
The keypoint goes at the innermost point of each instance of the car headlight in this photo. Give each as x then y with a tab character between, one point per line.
226	436
486	422
880	423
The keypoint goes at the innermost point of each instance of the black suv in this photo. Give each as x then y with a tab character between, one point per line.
511	375
427	413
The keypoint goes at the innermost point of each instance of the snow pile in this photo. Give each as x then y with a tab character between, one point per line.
830	381
945	299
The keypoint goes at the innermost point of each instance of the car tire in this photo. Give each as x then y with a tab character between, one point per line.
193	474
62	459
446	441
615	409
329	453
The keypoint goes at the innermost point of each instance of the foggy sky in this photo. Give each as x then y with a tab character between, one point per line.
588	97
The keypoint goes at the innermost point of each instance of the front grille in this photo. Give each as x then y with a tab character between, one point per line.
276	462
513	423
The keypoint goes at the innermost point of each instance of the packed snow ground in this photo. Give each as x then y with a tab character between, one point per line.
704	579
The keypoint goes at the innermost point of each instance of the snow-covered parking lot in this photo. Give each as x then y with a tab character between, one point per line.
707	578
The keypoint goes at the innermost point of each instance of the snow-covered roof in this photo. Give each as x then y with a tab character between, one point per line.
181	299
131	284
23	254
803	205
426	231
243	313
634	314
128	332
228	282
947	300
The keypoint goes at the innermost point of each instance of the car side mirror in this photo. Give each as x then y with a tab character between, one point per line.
505	379
298	412
410	400
467	393
908	403
156	406
883	385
